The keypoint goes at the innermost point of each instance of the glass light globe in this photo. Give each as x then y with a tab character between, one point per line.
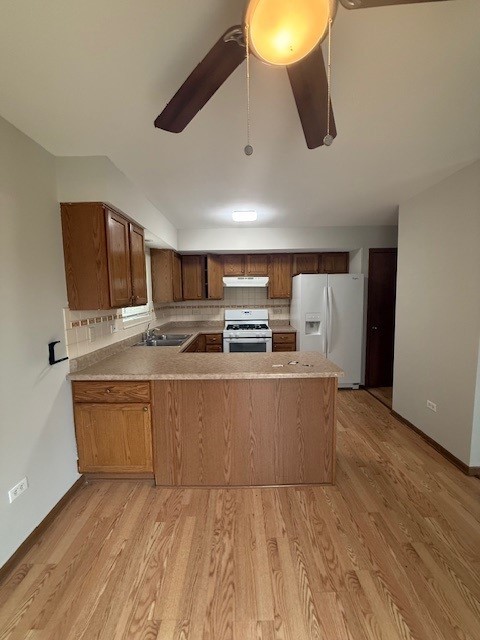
282	32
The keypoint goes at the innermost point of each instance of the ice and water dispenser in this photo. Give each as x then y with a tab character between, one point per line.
313	324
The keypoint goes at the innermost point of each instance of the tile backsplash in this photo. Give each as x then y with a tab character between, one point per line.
214	310
88	331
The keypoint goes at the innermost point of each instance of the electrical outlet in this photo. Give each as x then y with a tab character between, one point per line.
431	405
17	490
113	328
91	334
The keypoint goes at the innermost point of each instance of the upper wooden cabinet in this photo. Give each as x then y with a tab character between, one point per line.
280	276
234	265
193	277
256	264
166	276
104	257
334	262
305	263
214	277
137	265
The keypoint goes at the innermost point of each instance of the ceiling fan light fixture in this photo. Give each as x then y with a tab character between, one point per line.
282	32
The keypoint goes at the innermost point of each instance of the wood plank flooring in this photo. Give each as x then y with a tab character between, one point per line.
384	394
392	552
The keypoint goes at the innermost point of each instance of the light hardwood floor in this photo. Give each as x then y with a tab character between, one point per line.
391	552
384	394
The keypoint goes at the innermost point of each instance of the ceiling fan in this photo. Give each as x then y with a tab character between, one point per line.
278	32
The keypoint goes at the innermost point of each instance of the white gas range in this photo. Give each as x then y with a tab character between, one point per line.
247	331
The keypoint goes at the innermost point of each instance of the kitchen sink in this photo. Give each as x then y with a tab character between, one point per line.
164	340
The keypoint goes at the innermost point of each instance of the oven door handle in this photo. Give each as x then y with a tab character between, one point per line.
247	340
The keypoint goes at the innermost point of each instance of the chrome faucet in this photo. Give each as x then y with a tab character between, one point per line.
149	333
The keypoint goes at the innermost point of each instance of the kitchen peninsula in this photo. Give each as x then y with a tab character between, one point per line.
208	419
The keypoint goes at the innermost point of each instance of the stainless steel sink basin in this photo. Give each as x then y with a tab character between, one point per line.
164	340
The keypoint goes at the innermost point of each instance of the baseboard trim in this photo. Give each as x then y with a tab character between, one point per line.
119	476
40	529
469	471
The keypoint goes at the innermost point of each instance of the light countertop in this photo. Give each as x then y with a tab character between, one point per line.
167	363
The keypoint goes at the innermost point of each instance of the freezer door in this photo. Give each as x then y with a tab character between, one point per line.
345	325
308	305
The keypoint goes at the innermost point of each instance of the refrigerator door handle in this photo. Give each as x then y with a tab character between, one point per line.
330	317
325	315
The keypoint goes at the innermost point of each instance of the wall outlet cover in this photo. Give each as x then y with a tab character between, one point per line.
18	489
431	405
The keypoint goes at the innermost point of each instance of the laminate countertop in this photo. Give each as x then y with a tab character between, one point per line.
169	363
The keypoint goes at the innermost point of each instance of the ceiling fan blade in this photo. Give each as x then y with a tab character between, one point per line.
219	63
308	79
367	4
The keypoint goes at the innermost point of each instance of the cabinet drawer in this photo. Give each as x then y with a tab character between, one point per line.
214	348
106	391
284	338
214	338
288	346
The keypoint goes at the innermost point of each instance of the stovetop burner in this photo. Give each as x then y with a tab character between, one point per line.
239	327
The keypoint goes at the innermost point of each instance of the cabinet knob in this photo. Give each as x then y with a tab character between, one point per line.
145	408
109	390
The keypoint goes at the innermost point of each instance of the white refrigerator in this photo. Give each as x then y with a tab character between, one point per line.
328	313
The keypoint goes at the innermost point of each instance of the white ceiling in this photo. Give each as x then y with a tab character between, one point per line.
89	78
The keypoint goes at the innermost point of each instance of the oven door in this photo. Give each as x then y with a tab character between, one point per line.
247	345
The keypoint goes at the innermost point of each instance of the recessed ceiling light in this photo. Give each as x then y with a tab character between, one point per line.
244	216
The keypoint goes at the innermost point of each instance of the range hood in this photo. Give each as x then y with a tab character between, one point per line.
245	281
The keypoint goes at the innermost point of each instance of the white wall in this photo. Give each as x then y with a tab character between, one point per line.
36	423
290	239
438	311
96	178
475	452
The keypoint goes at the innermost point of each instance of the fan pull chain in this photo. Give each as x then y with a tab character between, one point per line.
248	148
329	138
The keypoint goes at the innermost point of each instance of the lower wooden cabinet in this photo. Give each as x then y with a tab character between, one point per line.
210	343
284	341
197	346
113	428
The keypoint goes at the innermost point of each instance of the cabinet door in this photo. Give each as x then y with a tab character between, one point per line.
118	256
234	265
280	270
284	342
335	262
256	264
115	438
305	263
177	277
138	265
214	277
193	277
85	254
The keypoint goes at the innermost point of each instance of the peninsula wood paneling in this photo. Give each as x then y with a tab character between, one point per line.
244	432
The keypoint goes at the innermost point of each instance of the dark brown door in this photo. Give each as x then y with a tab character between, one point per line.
382	286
